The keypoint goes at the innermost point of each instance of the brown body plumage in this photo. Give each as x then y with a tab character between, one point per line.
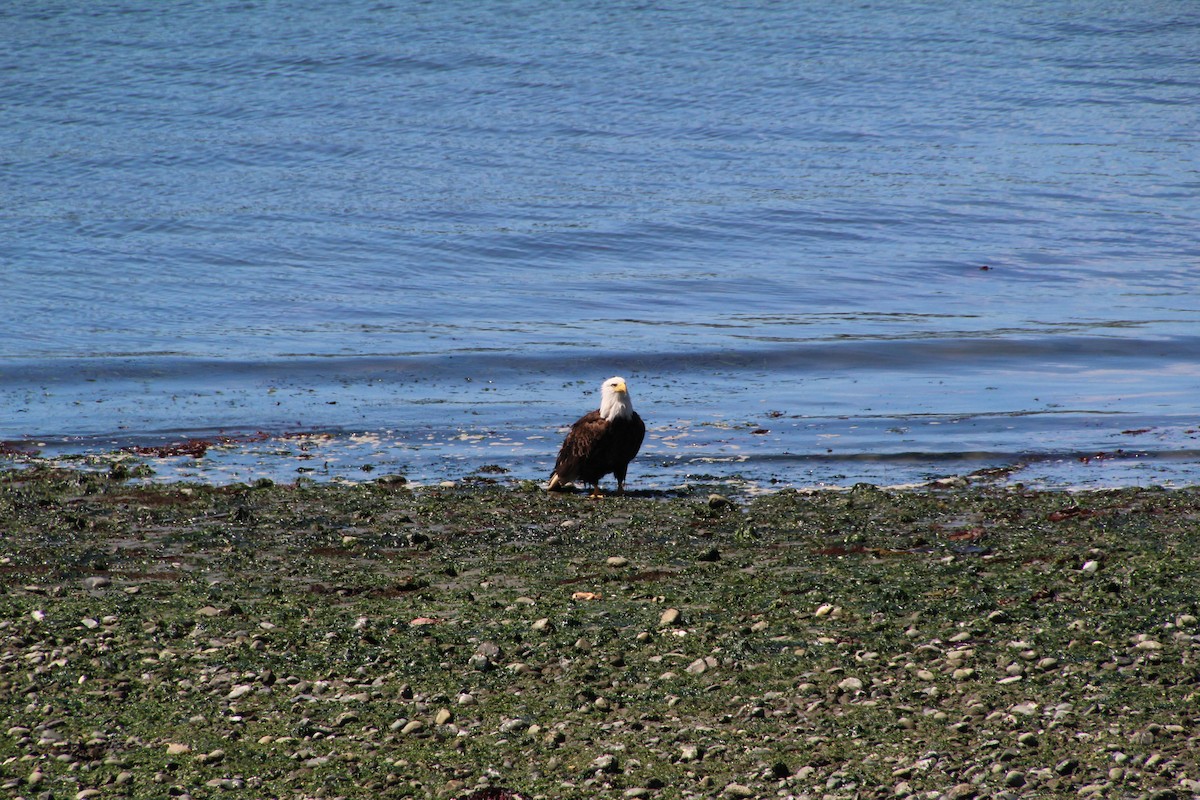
601	442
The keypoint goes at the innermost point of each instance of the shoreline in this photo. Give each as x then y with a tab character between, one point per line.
477	456
376	639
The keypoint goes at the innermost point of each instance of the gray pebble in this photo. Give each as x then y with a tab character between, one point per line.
605	763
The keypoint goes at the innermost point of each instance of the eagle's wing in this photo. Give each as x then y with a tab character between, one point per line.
578	447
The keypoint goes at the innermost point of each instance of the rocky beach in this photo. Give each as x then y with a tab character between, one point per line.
486	639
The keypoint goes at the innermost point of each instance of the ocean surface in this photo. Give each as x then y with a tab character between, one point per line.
883	242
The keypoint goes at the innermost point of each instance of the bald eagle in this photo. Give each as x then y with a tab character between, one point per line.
601	441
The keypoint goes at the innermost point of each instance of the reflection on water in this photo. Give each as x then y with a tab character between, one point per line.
898	239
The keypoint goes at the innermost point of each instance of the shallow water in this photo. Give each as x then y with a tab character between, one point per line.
890	244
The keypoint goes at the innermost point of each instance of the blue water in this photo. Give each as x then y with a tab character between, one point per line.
883	241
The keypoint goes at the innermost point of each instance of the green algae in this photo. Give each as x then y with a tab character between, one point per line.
372	640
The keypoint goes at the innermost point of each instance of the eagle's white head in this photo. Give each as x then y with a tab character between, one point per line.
614	399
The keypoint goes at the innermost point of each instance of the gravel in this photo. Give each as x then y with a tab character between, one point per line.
482	640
